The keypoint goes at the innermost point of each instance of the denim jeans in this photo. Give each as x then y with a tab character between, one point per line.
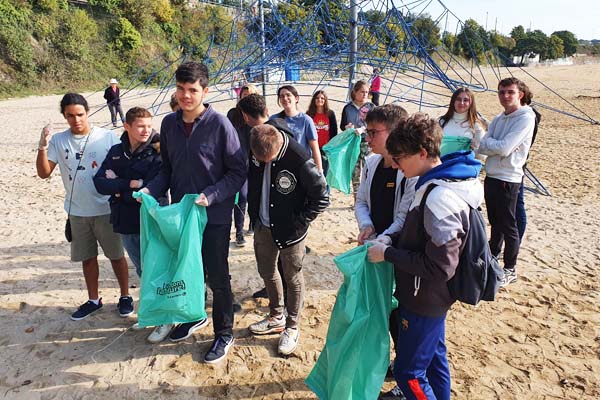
131	242
114	109
521	214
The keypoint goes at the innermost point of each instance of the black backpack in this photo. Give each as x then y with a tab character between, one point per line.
478	274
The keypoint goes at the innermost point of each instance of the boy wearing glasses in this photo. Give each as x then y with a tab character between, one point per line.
506	145
426	252
384	193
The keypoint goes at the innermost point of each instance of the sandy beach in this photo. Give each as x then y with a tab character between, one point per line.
539	340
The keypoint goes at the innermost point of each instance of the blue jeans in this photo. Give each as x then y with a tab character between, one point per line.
521	215
421	367
131	242
114	109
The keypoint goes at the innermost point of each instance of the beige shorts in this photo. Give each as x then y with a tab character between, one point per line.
88	232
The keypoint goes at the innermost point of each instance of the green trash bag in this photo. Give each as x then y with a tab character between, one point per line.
451	144
354	361
173	276
342	152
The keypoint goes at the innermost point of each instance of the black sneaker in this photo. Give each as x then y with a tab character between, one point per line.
219	349
390	371
237	307
240	241
394	394
86	309
125	306
510	276
185	330
261	294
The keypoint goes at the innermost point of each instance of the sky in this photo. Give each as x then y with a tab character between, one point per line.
582	17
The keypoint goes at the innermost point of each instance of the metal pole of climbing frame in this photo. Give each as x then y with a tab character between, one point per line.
353	43
262	47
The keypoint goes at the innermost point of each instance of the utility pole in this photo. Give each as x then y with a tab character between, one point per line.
353	42
262	47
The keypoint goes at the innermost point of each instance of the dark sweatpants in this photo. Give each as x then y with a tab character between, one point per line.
501	203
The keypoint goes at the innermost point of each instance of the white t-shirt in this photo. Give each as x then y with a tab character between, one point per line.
65	150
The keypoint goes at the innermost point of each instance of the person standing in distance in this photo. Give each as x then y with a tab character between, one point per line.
79	152
112	94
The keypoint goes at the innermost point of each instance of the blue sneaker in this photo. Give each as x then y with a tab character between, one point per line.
86	309
219	349
125	306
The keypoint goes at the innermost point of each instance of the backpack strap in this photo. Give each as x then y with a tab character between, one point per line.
402	187
421	229
422	204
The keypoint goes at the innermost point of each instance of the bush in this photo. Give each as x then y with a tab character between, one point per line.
127	38
15	46
74	34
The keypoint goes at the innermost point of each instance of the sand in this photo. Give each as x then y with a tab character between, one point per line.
539	340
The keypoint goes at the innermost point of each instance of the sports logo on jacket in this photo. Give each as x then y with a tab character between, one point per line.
285	182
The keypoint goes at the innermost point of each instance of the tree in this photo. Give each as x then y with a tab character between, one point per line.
472	40
555	47
569	42
517	33
385	30
449	41
504	44
332	20
425	30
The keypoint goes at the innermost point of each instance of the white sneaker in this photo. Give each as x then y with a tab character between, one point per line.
138	327
288	341
268	325
160	333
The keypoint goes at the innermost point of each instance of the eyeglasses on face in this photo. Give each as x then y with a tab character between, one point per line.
397	159
372	132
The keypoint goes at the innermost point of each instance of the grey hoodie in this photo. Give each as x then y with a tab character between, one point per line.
507	144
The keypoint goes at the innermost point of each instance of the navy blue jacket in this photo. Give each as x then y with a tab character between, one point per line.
209	161
143	164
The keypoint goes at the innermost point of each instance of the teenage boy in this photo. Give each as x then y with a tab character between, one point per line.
127	168
425	253
201	154
286	192
506	144
384	194
255	112
79	151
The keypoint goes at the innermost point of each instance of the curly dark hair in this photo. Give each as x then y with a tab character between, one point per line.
414	133
254	105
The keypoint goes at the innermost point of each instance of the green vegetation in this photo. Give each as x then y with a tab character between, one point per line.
58	46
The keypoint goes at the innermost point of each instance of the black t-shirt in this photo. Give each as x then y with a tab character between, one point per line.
383	193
